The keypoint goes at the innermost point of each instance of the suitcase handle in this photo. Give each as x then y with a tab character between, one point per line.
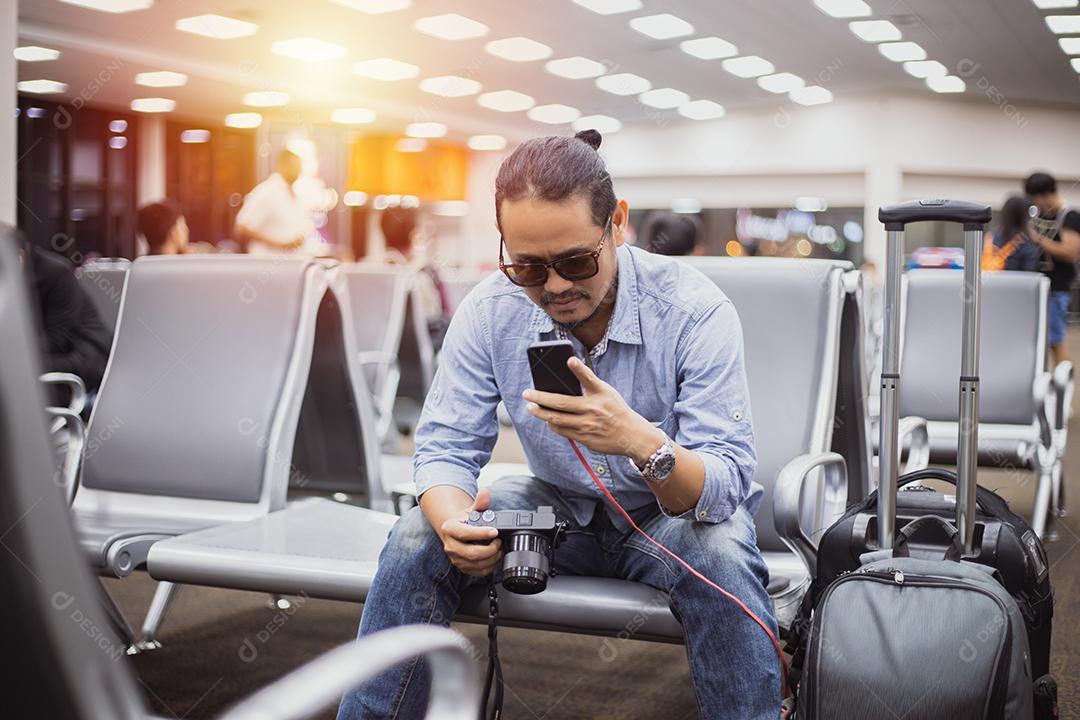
897	216
945	476
955	550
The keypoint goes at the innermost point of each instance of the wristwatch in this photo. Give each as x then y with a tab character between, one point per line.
660	464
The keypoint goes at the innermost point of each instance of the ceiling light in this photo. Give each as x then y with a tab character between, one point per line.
1071	46
623	84
353	116
664	98
811	204
575	68
701	110
35	53
117	126
902	51
518	49
686	206
450	86
308	49
554	114
409	145
195	136
451	27
354	198
780	82
118	142
243	120
153	105
1055	4
218	27
487	142
375	7
925	68
385	69
266	98
609	7
600	123
844	8
810	95
425	130
1075	64
450	208
111	6
875	30
33	112
709	48
1063	24
662	26
41	87
748	66
946	84
506	101
162	78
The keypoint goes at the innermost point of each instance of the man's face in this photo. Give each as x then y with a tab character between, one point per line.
1045	203
541	231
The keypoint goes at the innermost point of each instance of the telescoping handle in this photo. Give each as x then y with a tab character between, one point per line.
973	217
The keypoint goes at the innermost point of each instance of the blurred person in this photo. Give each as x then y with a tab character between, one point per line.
401	229
163	228
673	234
664	419
273	219
1056	230
1015	249
73	338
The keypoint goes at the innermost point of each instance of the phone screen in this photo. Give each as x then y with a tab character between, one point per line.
547	361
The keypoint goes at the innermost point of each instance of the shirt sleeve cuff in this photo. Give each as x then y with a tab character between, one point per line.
715	504
434	473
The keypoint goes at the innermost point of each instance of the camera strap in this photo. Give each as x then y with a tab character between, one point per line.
494	674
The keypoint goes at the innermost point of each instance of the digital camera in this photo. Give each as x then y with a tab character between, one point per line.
529	539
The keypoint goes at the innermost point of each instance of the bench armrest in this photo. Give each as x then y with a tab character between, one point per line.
1063	389
73	381
914	435
1045	397
69	472
787	496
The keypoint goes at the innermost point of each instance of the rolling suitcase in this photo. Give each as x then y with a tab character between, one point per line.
986	533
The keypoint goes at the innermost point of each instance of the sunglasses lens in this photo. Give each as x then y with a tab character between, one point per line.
580	267
526	274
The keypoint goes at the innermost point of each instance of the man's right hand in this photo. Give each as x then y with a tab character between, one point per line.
474	551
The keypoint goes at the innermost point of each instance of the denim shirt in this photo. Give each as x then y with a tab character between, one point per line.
674	352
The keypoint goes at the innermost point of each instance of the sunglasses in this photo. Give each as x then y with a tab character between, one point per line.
573	268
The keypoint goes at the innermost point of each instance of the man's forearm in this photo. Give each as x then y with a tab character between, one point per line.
443	502
682	488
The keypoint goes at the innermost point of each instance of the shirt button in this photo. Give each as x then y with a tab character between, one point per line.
600	470
701	514
736	415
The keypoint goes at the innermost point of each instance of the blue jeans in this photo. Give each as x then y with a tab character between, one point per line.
1055	317
733	665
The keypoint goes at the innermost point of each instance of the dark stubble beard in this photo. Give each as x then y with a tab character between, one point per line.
609	296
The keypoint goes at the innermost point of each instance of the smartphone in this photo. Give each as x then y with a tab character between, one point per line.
547	360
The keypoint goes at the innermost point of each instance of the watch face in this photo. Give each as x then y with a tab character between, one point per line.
663	466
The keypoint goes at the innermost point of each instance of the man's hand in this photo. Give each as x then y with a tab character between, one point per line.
473	550
600	419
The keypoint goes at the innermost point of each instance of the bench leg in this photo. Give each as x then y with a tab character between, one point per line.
1043	491
155	616
119	623
278	602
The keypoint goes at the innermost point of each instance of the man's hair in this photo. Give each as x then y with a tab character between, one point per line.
555	168
155	221
1040	183
671	234
397	224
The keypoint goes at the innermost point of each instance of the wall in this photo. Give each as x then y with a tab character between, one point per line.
8	19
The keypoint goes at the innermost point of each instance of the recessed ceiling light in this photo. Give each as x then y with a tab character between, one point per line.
117	126
406	145
810	95
609	7
1071	46
946	84
709	48
875	30
702	110
41	87
780	82
153	105
685	206
218	27
902	51
451	27
118	142
352	116
844	8
308	49
111	6
266	98
195	136
375	7
1075	64
425	130
575	68
243	120
506	101
450	86
354	198
662	26
554	114
811	204
518	49
600	123
925	68
385	69
487	142
161	78
1055	4
1063	24
623	84
35	53
748	66
450	208
664	98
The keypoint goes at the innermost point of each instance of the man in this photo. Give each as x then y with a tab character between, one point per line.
163	227
273	219
673	234
1057	232
664	423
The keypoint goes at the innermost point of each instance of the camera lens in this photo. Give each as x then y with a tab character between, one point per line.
526	565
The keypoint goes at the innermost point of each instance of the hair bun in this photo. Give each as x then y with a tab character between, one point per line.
592	137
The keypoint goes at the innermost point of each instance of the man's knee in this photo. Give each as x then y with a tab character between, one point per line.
411	540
